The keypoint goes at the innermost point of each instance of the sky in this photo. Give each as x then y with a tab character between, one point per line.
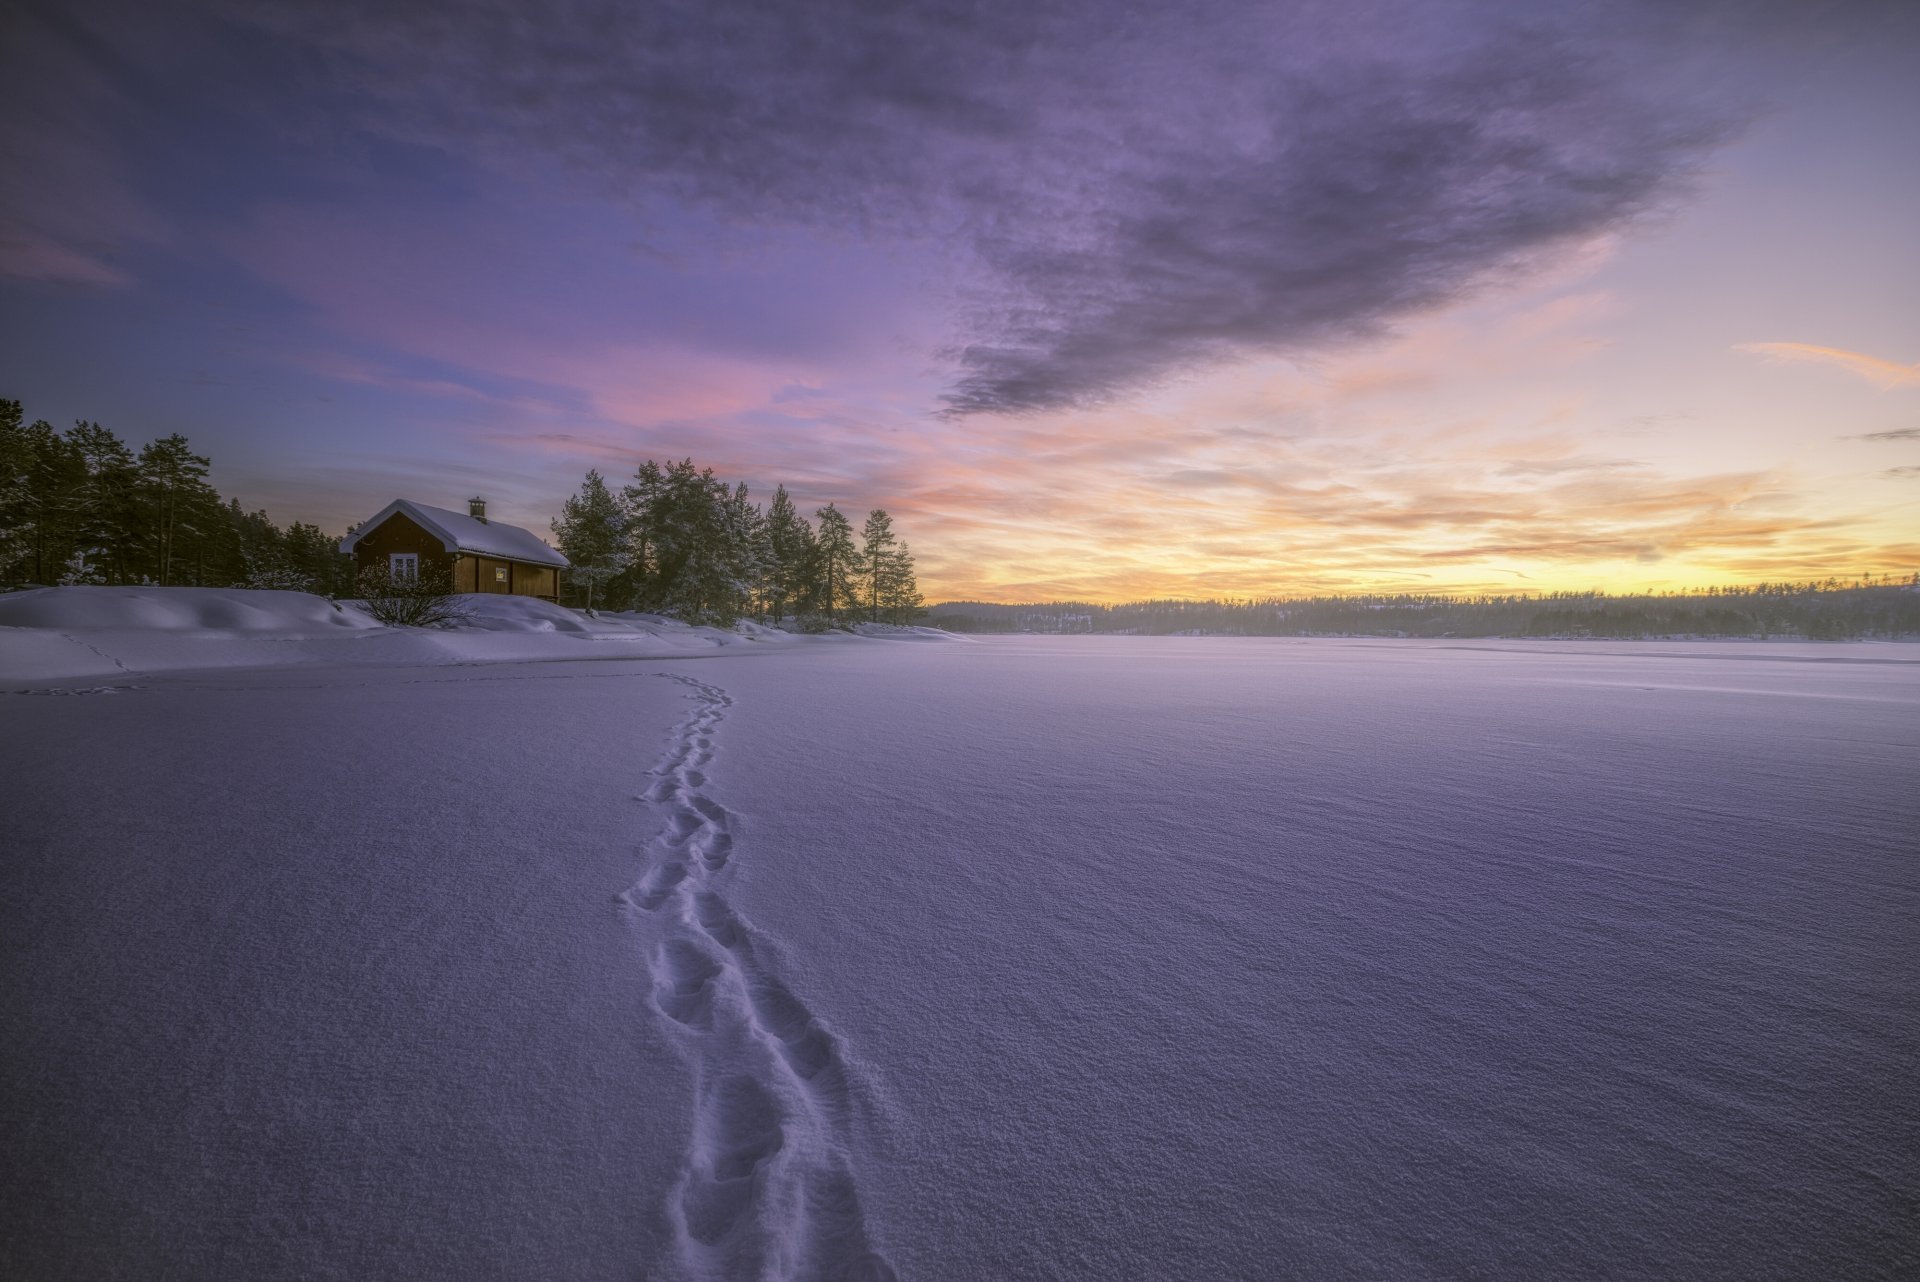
1101	300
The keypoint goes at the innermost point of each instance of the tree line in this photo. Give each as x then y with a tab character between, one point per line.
678	540
1872	606
83	507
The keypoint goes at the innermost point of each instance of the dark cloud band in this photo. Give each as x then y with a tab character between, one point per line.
1127	190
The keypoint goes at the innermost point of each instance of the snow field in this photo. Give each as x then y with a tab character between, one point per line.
1080	958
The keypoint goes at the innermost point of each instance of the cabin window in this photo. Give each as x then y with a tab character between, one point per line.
499	574
403	565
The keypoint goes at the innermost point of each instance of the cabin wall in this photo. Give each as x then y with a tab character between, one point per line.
476	573
399	533
536	580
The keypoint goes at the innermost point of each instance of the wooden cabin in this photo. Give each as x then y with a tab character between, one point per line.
487	556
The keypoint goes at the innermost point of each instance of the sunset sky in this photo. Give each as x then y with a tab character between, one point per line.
1101	300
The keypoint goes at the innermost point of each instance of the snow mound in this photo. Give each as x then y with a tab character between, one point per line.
902	632
178	610
51	634
495	612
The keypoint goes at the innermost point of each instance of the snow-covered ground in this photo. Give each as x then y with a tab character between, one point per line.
1075	957
52	634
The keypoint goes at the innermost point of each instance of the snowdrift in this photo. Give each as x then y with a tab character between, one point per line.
179	610
58	633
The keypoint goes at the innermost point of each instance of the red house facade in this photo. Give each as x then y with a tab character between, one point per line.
484	556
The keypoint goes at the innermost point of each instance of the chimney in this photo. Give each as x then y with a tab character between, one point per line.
477	509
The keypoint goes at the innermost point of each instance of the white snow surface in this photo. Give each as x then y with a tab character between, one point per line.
459	532
1040	957
51	634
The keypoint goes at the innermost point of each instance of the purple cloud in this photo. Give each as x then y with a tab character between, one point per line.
1126	193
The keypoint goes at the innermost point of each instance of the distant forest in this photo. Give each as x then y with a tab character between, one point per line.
1828	611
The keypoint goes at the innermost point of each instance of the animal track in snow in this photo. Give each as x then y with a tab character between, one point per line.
767	1188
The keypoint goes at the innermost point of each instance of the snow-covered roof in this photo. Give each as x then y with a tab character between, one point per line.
462	533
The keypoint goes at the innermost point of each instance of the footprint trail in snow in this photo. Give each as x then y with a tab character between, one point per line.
767	1190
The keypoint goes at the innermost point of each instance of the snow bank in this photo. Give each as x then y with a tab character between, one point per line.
178	610
901	632
58	633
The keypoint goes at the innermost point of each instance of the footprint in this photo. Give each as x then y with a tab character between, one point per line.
807	1047
656	886
810	1054
712	811
718	920
714	849
683	982
738	1129
778	1010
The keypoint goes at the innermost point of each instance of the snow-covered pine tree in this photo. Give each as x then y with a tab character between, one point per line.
82	569
591	532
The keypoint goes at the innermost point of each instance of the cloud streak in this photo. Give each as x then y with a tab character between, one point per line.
1883	374
66	214
1120	193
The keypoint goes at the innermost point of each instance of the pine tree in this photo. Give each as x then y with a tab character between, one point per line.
315	556
18	450
56	477
173	497
790	548
102	508
899	588
750	550
592	533
836	562
877	543
259	551
696	535
709	586
641	502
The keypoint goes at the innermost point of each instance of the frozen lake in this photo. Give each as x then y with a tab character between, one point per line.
1032	957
